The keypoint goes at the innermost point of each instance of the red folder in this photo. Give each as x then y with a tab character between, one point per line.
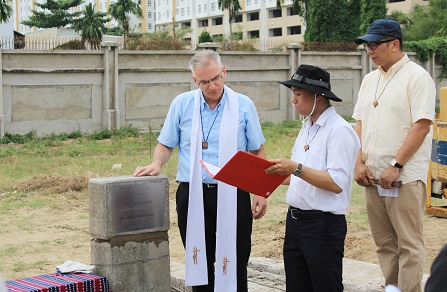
246	171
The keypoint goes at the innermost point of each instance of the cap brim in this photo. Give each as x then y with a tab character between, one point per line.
312	88
369	38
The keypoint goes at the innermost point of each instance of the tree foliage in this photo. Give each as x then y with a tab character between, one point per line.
121	11
371	10
428	21
5	11
233	7
205	37
330	20
426	48
53	13
92	25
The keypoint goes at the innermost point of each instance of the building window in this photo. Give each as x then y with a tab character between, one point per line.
253	16
149	3
275	13
167	13
248	2
182	11
202	23
217	21
149	15
213	6
254	34
291	11
291	30
275	32
176	11
139	2
199	10
149	26
238	18
204	7
187	24
159	15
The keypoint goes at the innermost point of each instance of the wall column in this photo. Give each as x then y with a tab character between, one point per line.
294	62
110	87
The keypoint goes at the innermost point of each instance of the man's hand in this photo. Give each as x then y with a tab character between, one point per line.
151	169
282	166
388	176
258	207
362	175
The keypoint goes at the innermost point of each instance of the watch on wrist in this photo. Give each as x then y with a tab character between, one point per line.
298	171
395	164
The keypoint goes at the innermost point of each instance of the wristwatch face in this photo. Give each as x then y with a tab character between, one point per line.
298	171
395	164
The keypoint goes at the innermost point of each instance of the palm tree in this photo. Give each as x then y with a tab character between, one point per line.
5	11
92	25
121	11
233	7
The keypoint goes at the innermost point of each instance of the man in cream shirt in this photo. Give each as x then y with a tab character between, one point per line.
394	111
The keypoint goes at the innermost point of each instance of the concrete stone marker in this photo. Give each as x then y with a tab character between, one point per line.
129	223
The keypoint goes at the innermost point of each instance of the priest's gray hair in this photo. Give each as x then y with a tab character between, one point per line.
204	58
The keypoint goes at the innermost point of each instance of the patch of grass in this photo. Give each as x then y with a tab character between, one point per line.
21	266
8	251
22	200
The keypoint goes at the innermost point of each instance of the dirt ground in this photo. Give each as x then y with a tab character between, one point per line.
34	241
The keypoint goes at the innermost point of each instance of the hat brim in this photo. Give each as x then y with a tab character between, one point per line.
369	37
312	88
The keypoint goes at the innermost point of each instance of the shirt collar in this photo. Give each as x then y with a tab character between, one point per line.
204	105
322	118
399	64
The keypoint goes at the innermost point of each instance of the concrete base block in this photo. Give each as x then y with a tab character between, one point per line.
137	263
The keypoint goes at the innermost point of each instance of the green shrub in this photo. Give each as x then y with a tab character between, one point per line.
205	37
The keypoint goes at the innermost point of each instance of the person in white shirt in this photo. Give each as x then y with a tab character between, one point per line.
321	169
394	111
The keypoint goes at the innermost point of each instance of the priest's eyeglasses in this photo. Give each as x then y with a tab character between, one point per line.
206	83
373	45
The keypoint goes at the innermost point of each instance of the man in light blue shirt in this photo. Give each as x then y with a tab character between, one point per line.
211	123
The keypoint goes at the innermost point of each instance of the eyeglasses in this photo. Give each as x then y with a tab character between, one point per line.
373	45
206	83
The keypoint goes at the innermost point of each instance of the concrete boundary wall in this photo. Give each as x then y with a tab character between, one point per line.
53	92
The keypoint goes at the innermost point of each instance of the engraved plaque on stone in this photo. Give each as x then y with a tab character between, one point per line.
137	207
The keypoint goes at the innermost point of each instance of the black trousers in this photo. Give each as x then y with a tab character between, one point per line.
313	252
243	235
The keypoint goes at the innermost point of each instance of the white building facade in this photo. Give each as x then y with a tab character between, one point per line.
258	19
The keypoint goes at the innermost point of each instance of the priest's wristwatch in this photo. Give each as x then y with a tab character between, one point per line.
298	171
395	164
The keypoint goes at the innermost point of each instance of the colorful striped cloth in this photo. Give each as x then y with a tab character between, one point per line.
59	283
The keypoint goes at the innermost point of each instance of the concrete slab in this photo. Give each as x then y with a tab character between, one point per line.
268	275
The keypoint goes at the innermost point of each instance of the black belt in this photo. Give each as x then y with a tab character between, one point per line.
307	214
208	186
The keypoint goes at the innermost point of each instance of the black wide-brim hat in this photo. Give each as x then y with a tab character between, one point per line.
314	79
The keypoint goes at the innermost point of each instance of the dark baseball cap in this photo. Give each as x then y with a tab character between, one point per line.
380	29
